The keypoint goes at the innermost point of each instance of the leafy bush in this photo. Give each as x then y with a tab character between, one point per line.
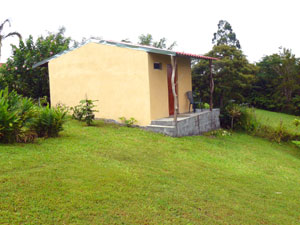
49	121
128	122
22	121
16	117
85	111
206	105
245	119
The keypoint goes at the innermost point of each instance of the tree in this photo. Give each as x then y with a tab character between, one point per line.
147	39
225	35
18	74
4	36
278	83
84	40
233	76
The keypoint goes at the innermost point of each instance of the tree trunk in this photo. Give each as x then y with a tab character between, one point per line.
174	65
221	100
212	86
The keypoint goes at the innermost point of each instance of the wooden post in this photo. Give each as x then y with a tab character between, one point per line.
212	86
174	65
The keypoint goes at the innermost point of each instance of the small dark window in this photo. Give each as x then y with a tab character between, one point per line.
157	66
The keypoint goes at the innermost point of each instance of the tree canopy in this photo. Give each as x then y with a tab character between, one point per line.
225	35
18	74
278	83
233	75
147	39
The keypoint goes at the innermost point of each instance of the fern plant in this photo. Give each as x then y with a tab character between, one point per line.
49	121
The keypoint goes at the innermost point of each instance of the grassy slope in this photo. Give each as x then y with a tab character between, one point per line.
274	118
113	175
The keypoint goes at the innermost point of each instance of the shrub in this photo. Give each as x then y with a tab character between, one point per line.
49	121
234	112
244	119
21	120
128	122
206	105
247	120
85	111
16	117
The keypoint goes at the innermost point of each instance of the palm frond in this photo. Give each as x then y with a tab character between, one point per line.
2	25
14	34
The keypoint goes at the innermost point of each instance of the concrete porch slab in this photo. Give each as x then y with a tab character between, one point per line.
187	123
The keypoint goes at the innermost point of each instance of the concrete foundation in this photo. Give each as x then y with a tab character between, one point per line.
187	124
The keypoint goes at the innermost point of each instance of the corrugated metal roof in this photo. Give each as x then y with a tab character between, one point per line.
127	45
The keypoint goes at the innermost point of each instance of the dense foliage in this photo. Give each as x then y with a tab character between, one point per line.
233	76
277	86
18	74
272	84
21	120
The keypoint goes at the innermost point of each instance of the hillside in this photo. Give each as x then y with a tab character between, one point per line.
116	175
273	119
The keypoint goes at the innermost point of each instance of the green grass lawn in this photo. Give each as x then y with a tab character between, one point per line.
116	175
273	119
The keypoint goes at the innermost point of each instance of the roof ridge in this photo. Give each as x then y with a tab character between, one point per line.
146	48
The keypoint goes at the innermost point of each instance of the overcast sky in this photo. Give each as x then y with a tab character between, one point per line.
261	26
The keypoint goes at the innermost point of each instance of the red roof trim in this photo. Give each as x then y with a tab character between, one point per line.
196	56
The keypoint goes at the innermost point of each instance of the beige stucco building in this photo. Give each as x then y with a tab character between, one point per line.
127	80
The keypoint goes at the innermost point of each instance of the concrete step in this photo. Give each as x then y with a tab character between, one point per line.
168	130
162	122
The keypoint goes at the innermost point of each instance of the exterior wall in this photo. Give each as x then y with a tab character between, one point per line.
184	82
159	99
117	77
158	81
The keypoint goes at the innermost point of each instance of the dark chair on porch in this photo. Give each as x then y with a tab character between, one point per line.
190	97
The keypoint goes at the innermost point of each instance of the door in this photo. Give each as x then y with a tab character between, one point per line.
170	92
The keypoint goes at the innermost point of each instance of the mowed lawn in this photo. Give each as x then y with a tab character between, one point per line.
108	174
273	119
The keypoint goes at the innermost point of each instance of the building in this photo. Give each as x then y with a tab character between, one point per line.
127	80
